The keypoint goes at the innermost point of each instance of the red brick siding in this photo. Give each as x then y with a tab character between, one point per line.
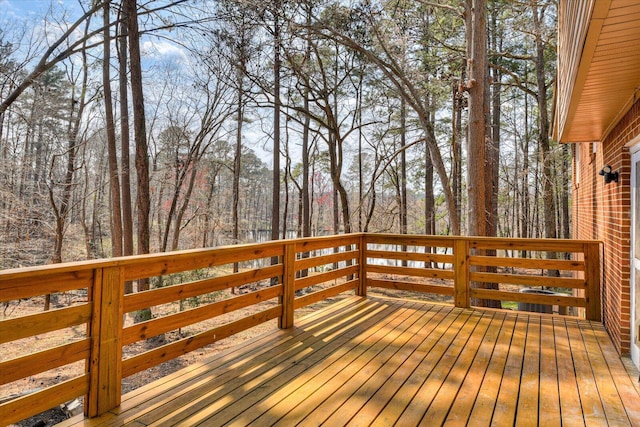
603	212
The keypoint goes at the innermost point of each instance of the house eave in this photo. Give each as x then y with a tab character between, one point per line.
598	63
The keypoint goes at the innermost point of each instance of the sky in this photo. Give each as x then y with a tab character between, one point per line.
24	8
32	11
17	14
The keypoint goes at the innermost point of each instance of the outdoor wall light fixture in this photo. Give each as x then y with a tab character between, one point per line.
608	174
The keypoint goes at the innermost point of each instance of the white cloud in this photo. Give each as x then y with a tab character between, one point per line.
163	50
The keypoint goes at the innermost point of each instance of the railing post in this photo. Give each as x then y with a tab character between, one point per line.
592	279
105	365
288	286
461	273
361	290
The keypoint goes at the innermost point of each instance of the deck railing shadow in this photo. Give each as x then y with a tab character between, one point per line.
191	288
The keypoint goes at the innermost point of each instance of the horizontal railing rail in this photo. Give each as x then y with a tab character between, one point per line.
199	297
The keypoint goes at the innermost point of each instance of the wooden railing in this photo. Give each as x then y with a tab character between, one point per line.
100	333
536	274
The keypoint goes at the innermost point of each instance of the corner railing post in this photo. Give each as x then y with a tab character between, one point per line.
361	290
592	279
105	365
288	285
461	273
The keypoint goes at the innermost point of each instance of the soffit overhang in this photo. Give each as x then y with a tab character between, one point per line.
598	66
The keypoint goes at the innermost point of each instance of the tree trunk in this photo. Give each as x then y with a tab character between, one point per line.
493	143
403	173
478	109
275	206
548	200
403	168
479	178
127	205
237	158
306	202
140	137
550	219
429	202
114	176
526	211
306	130
336	210
237	163
73	128
287	173
456	129
340	196
191	181
360	139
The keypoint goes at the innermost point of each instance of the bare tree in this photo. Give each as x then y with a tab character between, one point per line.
53	56
550	217
114	175
127	204
382	56
140	137
61	207
277	105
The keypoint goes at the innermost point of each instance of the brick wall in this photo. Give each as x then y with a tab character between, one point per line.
603	212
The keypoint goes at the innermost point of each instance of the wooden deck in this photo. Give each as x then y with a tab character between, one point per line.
370	361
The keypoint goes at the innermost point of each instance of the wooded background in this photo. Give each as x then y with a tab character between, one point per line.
140	126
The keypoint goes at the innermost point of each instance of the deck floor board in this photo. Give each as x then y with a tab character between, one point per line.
484	405
508	395
549	400
376	361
